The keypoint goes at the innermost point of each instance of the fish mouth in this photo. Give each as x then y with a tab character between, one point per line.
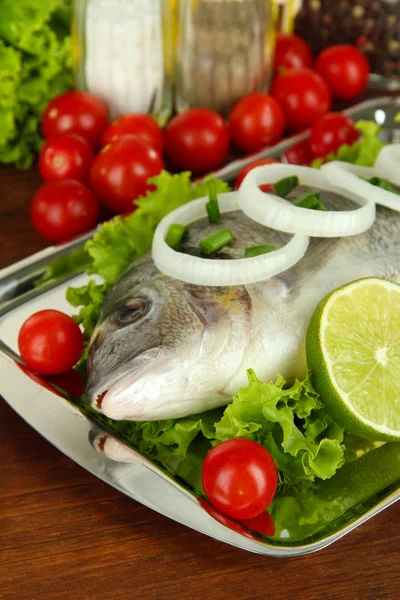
132	372
99	400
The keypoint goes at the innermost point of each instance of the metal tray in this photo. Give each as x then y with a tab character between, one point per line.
54	415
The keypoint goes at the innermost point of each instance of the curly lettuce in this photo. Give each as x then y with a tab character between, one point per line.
324	472
289	421
35	66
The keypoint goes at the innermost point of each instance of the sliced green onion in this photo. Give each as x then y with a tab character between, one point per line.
320	206
216	271
216	241
175	234
285	186
384	184
310	199
311	202
212	204
258	250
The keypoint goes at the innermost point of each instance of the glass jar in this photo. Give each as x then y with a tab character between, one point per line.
372	25
224	51
284	14
122	54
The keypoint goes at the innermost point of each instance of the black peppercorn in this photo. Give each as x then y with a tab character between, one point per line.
372	25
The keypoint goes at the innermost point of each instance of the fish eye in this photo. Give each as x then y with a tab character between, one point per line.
130	314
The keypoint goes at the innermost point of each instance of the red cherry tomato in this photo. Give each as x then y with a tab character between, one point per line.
66	156
63	209
197	140
224	520
265	187
50	342
303	95
330	132
291	52
262	524
299	154
255	121
75	112
120	172
142	126
239	478
71	382
345	70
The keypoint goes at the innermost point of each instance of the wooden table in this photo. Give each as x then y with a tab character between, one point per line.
64	535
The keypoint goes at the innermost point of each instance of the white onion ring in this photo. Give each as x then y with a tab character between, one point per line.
280	214
217	272
387	164
349	174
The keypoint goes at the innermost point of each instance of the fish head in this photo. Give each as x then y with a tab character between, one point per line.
164	348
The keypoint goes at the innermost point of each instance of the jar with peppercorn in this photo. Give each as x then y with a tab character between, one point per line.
371	25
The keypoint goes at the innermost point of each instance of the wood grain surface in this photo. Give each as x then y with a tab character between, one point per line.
65	535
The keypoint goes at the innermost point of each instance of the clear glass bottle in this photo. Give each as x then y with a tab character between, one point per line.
123	54
224	51
284	14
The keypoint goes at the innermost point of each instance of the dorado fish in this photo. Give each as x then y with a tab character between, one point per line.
167	349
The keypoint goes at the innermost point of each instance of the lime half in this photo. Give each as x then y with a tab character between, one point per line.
353	351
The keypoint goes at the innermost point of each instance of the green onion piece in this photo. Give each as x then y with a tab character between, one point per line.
285	186
384	184
320	205
258	250
310	199
212	205
175	234
217	240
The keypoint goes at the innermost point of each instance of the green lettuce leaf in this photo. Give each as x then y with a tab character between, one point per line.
275	415
290	422
74	262
89	297
35	66
21	20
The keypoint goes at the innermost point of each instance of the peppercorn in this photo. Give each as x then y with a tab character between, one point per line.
373	26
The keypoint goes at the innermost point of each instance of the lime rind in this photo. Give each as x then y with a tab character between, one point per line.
353	350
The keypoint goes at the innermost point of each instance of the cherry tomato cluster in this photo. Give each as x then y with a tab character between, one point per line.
305	95
90	165
240	479
327	134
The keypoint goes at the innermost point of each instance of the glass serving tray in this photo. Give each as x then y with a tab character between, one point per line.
56	417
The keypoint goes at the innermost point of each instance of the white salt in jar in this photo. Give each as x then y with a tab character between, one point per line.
122	54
